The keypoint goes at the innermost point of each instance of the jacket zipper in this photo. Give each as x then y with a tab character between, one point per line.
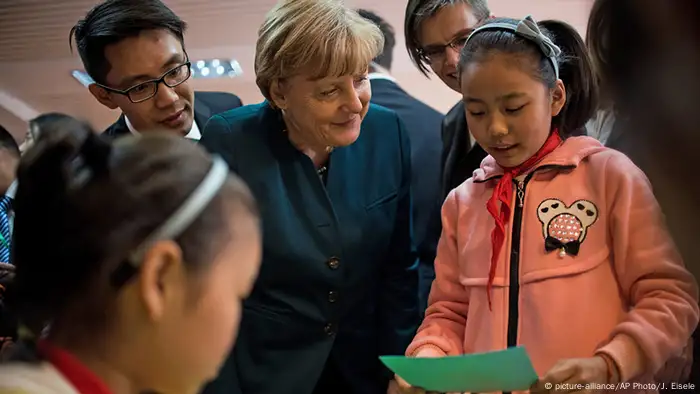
514	270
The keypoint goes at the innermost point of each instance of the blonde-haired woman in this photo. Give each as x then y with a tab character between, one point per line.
338	285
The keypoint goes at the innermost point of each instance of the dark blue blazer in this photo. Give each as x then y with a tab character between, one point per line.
423	124
338	281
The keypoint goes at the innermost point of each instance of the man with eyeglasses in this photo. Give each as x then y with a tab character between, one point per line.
435	32
134	51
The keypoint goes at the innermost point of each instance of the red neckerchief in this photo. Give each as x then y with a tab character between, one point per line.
503	192
78	375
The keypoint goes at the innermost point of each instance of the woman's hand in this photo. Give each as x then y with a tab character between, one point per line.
400	386
575	375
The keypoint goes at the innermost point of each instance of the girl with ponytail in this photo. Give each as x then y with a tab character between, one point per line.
556	243
136	254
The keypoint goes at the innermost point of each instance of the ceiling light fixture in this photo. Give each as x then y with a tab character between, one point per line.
216	68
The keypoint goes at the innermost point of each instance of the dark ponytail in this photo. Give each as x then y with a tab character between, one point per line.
577	72
575	67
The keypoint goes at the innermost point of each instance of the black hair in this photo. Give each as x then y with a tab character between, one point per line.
385	58
417	11
85	204
575	67
8	142
112	21
46	122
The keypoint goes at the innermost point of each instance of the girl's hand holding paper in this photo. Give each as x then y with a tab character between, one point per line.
575	376
400	386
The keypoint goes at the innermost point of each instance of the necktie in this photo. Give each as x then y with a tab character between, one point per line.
5	205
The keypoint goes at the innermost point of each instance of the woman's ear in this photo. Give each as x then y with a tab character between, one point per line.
278	94
162	279
558	97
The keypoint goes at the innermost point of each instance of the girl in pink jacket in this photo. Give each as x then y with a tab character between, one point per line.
555	243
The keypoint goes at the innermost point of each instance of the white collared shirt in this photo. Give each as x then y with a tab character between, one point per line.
194	133
11	191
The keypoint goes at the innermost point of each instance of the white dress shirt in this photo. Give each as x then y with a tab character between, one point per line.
11	191
194	133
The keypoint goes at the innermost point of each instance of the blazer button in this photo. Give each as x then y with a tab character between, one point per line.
332	296
329	329
333	263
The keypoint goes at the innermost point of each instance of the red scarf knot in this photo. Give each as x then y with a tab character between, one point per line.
503	193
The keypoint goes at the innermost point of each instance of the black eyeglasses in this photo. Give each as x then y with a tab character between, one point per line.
436	53
146	90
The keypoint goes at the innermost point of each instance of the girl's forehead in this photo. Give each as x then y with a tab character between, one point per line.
499	73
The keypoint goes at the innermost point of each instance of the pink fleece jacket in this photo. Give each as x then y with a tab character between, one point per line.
593	269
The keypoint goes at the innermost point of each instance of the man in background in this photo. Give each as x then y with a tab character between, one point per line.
37	125
9	160
436	31
134	51
423	126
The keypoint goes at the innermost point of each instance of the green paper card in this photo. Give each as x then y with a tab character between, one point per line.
503	370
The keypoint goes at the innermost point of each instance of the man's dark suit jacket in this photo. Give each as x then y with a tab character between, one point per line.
8	324
206	105
458	162
338	283
423	126
459	157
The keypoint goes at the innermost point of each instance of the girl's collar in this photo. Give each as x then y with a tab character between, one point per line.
78	375
569	154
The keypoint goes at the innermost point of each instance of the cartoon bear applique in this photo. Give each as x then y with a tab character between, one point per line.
565	227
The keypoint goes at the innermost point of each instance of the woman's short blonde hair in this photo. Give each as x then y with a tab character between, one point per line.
319	38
